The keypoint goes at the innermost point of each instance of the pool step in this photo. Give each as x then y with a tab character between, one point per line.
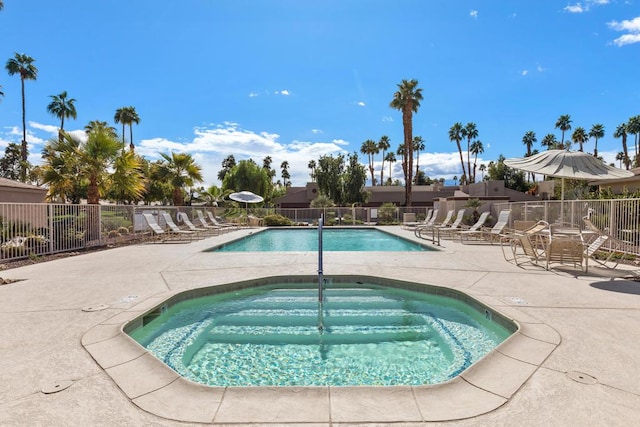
308	318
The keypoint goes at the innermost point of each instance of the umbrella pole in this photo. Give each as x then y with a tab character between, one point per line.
562	201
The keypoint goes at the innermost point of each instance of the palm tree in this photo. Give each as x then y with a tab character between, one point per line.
482	168
383	145
455	134
127	183
476	148
312	166
127	116
61	169
370	148
286	176
23	65
62	108
96	156
564	124
470	132
95	125
528	140
549	141
633	128
407	99
1	5
620	157
180	170
418	146
621	132
391	158
213	195
597	132
455	180
580	136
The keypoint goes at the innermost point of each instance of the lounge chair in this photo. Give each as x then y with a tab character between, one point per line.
203	222
485	234
455	226
184	218
413	224
162	235
222	225
431	227
255	221
600	243
177	230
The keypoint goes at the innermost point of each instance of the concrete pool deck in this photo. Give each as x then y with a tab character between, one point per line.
582	368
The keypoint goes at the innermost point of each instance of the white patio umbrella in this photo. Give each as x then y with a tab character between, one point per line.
567	164
246	197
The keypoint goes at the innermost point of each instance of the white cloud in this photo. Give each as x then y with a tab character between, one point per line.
253	94
473	13
387	119
580	8
283	92
525	72
316	131
213	143
340	142
631	27
360	104
53	130
540	68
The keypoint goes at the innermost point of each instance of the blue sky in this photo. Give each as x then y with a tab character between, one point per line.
295	79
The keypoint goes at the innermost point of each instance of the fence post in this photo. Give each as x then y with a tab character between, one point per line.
50	214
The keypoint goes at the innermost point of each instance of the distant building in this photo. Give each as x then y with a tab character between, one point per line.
618	185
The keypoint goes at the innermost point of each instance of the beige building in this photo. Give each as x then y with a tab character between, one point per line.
618	186
19	192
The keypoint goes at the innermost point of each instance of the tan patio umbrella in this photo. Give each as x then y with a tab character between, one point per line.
567	164
246	197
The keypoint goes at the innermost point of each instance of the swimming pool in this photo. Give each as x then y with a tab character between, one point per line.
333	239
371	334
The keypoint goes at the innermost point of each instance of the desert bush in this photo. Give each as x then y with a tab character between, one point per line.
276	220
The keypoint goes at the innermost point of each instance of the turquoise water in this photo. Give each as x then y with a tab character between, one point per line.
270	336
333	239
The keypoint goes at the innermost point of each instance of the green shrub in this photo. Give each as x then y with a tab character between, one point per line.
387	213
276	220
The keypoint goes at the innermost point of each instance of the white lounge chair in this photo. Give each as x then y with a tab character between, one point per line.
485	234
430	227
477	227
175	229
162	235
184	218
215	222
412	224
455	225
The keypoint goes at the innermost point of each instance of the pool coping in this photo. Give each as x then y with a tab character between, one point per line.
155	388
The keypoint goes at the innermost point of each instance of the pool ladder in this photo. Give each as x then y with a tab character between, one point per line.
320	277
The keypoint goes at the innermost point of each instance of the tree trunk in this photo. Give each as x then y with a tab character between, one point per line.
408	148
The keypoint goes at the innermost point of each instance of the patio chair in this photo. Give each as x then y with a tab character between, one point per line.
184	218
476	227
203	222
485	234
601	243
413	224
455	226
430	227
175	229
567	250
162	235
222	225
531	241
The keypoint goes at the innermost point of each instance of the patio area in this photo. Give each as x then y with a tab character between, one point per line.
590	378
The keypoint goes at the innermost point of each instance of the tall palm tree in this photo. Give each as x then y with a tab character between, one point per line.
621	132
418	146
61	169
370	148
455	134
180	170
476	148
127	183
620	157
1	5
312	165
596	132
482	168
564	124
470	132
633	128
213	195
127	116
62	108
383	145
286	176
23	65
407	100
580	136
390	157
549	141
528	140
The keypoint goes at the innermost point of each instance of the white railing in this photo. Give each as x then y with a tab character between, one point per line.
32	230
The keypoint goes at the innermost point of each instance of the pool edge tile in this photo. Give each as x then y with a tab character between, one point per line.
374	404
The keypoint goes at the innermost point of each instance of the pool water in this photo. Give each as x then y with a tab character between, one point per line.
271	336
333	239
